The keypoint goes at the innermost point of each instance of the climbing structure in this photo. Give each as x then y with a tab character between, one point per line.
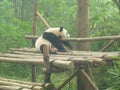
73	61
79	63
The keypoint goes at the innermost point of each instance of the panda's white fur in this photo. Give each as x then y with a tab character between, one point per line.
41	41
63	34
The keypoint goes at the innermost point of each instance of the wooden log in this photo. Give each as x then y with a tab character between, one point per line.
20	82
21	56
22	61
68	65
32	58
31	50
107	46
98	61
47	64
18	85
89	80
34	37
111	57
62	54
35	19
33	73
34	29
24	53
92	39
2	87
42	19
65	65
23	84
67	80
117	37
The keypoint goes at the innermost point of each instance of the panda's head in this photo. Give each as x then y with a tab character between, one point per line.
59	32
64	33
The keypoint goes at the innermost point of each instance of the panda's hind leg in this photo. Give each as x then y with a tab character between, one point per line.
54	40
41	48
52	50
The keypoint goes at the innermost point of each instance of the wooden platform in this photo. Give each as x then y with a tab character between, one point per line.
62	61
8	84
65	60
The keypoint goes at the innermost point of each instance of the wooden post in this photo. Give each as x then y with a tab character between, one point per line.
33	41
108	45
43	20
33	73
82	82
88	79
47	65
34	22
68	80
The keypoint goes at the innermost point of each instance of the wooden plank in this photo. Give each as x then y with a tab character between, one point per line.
65	65
22	61
5	83
91	39
43	20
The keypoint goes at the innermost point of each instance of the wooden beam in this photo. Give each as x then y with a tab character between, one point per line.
33	73
43	20
89	80
7	84
92	39
47	65
34	30
107	46
68	80
34	37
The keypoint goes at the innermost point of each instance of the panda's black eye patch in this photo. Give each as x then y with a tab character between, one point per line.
61	29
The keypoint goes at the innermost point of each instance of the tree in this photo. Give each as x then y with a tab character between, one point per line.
82	26
83	31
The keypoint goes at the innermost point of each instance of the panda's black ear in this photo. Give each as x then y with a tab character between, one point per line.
61	29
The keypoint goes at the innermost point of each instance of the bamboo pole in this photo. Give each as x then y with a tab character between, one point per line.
33	41
89	80
47	65
18	85
67	80
107	46
2	87
42	19
19	82
92	39
34	37
63	65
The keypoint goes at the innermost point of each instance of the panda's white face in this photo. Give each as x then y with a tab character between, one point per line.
65	33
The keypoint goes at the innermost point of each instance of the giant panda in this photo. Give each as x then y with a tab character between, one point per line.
51	37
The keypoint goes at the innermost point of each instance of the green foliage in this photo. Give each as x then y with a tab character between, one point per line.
104	21
12	31
60	13
14	71
114	81
6	11
12	36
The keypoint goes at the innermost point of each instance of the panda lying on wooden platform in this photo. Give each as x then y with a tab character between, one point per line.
51	37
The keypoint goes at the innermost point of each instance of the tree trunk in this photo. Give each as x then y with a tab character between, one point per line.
83	32
15	8
22	11
82	26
